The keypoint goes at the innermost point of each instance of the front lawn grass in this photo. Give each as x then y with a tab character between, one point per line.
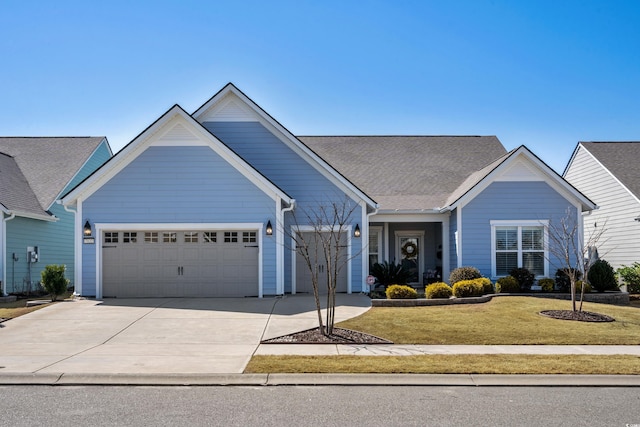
11	310
501	321
449	364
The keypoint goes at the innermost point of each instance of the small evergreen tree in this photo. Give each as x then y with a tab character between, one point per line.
601	276
53	280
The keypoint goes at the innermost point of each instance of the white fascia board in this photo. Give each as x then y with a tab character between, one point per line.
549	176
290	140
154	132
572	158
611	174
29	215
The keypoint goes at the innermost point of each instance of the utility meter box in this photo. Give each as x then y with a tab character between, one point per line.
33	254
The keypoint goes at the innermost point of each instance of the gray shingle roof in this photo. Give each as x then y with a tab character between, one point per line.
621	159
15	193
407	172
47	164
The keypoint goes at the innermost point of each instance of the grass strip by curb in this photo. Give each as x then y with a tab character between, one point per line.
449	364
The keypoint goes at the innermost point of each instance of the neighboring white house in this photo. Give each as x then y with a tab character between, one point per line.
607	173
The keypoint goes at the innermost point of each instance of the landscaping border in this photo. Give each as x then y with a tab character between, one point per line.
613	298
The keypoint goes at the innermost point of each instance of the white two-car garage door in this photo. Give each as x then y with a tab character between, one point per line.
192	263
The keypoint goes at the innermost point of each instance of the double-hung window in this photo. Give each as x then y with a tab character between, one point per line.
518	244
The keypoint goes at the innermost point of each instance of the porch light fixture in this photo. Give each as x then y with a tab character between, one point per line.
269	229
356	232
86	230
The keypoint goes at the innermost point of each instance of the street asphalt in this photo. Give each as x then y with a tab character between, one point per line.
209	341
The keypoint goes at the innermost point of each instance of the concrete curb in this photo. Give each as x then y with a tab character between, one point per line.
465	380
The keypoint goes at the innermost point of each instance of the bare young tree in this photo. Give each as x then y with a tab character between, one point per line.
570	252
320	235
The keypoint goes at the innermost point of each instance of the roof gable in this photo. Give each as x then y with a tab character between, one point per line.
174	128
49	163
231	104
621	159
517	165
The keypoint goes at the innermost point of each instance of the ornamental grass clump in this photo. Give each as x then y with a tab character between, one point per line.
401	292
546	284
438	290
464	273
468	288
507	284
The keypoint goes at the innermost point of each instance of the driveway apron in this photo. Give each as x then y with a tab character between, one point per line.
156	335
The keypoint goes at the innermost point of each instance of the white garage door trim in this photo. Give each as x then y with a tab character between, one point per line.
100	227
326	228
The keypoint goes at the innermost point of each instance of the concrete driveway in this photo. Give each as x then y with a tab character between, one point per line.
155	336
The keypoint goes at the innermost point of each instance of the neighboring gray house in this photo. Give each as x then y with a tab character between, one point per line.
203	204
607	173
35	230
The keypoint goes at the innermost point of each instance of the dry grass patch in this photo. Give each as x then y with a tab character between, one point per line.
11	310
502	321
448	364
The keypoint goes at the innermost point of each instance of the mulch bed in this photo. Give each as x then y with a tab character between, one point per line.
339	336
580	316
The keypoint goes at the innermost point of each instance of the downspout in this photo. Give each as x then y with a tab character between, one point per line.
76	249
4	252
365	253
280	241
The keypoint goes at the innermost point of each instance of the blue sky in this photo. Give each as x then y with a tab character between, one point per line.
545	74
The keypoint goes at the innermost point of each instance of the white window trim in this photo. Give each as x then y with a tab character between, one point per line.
519	224
375	230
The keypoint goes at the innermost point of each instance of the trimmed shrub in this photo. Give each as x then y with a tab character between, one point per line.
464	273
562	280
580	284
467	288
524	277
546	284
53	280
630	276
507	284
401	292
602	277
388	273
487	286
438	290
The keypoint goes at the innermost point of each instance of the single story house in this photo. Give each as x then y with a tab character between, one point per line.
205	204
35	230
607	173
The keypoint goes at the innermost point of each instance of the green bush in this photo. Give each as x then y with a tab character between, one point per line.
464	273
562	280
507	284
524	278
468	288
388	273
580	284
53	280
487	286
438	290
630	276
546	284
401	292
602	277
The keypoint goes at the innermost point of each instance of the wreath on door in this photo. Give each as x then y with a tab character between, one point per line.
409	250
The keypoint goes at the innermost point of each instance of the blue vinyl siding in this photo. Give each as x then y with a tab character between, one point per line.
285	168
535	201
100	155
55	240
180	185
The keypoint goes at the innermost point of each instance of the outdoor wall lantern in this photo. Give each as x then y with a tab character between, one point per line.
86	229
356	232
269	228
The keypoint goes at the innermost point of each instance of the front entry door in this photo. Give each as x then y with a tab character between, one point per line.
409	252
